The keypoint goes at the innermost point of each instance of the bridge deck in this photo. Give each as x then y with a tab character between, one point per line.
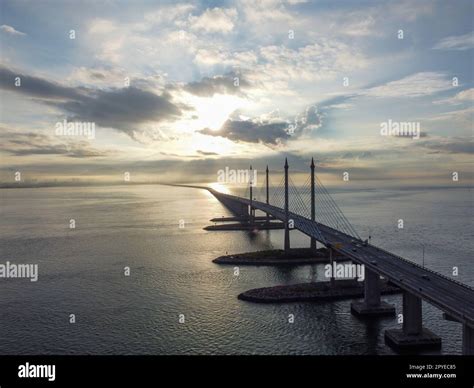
454	298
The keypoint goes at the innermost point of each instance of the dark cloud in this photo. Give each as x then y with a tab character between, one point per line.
450	146
31	143
123	109
97	75
205	153
270	131
36	87
222	84
251	131
174	155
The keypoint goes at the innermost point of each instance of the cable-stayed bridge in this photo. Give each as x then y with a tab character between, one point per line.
311	210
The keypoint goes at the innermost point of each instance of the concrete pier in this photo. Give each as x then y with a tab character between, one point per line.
372	304
412	336
331	261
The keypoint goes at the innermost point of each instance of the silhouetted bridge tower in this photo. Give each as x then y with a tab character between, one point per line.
325	223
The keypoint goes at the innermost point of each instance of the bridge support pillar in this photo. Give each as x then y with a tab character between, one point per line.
331	261
413	335
251	209
372	305
287	238
412	314
314	246
467	340
244	211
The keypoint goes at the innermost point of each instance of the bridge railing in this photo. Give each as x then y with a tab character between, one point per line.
322	192
335	231
425	268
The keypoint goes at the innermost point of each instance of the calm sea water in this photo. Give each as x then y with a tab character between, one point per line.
81	272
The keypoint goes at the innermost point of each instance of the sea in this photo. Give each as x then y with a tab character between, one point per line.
128	270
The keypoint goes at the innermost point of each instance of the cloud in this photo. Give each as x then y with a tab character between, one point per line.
460	98
321	60
209	86
459	116
262	13
459	42
269	129
309	120
35	143
416	85
276	71
251	131
124	109
357	24
168	14
174	155
214	56
357	156
10	30
456	145
215	20
36	87
205	153
408	10
98	77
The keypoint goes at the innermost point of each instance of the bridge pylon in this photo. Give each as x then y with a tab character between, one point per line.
251	209
314	245
287	217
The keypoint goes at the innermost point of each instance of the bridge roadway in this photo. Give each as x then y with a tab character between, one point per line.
454	298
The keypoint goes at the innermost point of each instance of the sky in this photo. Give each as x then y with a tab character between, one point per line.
175	92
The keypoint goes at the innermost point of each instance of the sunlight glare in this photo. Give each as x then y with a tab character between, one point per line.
220	188
213	112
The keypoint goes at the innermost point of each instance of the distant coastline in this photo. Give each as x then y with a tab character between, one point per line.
33	185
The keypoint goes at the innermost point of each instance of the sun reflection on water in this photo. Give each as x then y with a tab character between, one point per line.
220	188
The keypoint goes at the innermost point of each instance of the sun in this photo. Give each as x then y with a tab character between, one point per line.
213	112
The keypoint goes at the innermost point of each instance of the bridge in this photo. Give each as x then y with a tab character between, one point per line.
323	221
